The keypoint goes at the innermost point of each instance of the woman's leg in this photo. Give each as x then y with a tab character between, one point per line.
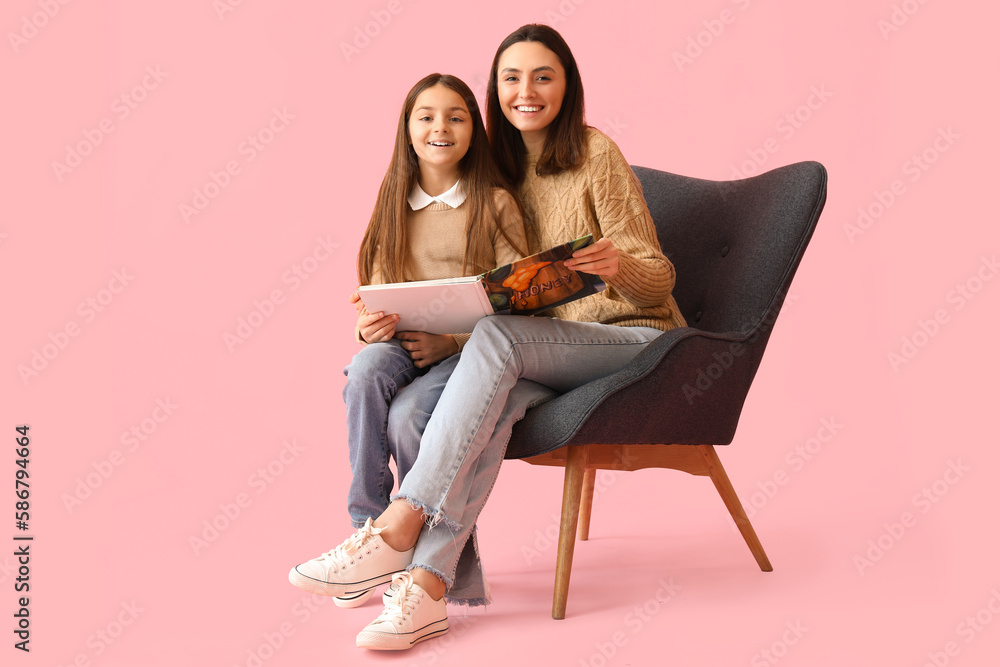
374	376
463	444
410	411
408	417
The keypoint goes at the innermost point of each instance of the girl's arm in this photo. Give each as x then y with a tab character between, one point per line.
372	327
426	349
642	275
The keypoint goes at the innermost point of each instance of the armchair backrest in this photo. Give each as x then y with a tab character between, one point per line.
735	244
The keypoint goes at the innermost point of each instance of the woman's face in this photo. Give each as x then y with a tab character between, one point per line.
531	83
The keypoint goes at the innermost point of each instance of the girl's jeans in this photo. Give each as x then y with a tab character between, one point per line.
374	377
464	441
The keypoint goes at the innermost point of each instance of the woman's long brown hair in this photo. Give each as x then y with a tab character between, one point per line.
385	241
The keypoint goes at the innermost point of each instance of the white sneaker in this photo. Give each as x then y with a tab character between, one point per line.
362	562
352	601
410	616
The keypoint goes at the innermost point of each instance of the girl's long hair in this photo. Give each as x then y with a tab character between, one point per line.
385	241
565	145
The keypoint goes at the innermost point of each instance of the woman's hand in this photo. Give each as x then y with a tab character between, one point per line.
373	327
426	349
600	258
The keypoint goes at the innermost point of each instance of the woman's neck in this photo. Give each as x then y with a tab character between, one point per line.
534	141
437	181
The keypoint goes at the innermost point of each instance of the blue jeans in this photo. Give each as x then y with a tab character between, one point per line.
409	414
466	436
389	403
375	376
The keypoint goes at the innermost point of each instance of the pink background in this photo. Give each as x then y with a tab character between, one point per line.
126	307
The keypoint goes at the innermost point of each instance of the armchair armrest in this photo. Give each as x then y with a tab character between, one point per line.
687	387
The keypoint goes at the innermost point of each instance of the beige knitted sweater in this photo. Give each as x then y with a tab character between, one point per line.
604	198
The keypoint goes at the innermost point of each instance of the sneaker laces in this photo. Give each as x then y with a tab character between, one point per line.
401	603
342	554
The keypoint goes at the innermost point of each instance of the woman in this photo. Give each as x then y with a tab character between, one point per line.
572	180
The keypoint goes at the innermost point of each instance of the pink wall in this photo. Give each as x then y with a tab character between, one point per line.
120	308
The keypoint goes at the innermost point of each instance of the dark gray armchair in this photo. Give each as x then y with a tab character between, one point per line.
736	246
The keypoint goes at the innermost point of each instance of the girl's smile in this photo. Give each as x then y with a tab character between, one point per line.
440	130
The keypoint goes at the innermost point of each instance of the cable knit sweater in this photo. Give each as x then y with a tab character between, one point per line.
436	237
604	198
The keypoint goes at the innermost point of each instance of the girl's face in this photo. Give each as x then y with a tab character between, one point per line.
440	128
531	83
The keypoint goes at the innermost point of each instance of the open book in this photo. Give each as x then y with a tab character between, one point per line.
454	305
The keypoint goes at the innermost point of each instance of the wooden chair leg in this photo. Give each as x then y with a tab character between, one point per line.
725	489
586	503
576	463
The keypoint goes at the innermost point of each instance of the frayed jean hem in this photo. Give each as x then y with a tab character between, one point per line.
448	582
450	599
432	515
468	602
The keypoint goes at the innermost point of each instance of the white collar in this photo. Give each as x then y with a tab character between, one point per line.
419	199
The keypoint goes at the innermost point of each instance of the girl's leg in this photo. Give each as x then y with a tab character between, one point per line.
374	376
350	571
410	411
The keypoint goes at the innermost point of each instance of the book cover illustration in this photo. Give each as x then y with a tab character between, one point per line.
540	282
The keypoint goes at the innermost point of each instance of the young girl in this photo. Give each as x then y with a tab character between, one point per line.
572	180
442	212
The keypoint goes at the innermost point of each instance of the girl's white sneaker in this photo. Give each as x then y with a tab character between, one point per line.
359	564
352	601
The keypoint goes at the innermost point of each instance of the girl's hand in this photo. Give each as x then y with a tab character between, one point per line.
373	327
355	298
426	349
600	258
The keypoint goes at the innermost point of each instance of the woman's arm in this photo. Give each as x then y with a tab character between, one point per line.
644	276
